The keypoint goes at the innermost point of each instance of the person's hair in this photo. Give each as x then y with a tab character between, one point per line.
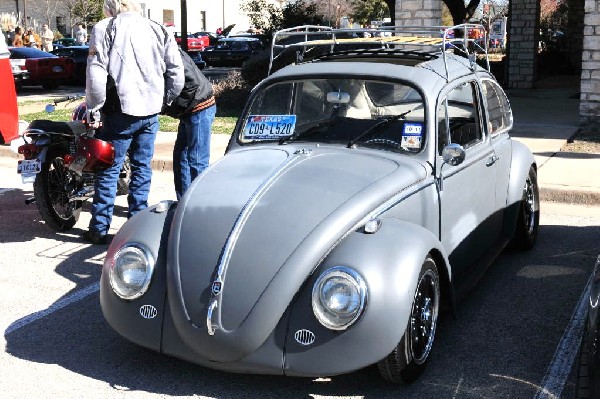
112	8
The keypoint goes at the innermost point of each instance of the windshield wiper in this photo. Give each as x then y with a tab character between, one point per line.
377	126
312	129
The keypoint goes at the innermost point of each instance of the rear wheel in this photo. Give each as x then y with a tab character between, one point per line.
51	191
408	360
528	218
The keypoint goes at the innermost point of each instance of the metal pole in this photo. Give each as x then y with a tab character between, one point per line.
184	38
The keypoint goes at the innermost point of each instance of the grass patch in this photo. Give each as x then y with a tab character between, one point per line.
221	125
586	140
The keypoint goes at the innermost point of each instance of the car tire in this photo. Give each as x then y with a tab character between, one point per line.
528	216
408	360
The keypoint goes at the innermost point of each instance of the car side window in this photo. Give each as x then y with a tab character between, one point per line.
498	107
458	117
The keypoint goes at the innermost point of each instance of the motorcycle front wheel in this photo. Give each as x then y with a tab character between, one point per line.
51	193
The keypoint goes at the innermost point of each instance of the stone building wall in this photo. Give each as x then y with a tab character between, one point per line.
35	14
523	40
418	12
589	108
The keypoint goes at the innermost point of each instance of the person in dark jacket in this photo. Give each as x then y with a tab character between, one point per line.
196	109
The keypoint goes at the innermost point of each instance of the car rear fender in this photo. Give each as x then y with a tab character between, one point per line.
522	161
140	320
389	261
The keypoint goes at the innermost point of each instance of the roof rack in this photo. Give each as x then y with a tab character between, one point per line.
468	40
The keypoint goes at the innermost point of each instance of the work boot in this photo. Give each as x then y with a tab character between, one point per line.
95	238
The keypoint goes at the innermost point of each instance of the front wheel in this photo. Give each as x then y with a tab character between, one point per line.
51	193
408	360
528	218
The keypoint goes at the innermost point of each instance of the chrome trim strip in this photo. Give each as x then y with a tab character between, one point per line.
235	233
210	327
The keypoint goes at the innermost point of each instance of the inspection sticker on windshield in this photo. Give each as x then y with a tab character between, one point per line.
268	127
412	136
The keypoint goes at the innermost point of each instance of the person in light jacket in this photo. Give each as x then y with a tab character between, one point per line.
128	82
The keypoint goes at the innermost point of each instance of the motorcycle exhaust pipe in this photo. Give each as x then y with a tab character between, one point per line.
83	194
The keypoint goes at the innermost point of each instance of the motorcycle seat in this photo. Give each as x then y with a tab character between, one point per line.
69	128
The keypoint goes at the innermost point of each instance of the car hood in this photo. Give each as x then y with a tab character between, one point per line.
258	222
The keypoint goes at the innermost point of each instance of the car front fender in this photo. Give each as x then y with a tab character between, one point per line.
389	261
140	320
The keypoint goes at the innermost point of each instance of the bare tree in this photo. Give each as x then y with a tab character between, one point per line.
333	10
49	9
83	11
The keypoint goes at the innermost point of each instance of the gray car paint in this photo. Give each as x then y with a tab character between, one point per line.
258	336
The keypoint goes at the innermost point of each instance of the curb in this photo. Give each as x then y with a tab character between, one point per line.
567	196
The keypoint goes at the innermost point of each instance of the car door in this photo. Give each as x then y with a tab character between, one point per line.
499	122
467	195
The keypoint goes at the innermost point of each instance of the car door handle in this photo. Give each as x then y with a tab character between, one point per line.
492	160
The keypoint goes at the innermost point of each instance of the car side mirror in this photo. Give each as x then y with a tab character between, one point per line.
453	154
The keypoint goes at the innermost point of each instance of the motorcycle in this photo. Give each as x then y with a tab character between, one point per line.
61	160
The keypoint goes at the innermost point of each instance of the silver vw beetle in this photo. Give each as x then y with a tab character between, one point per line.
360	195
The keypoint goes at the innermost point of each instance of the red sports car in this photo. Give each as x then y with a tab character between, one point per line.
194	43
44	68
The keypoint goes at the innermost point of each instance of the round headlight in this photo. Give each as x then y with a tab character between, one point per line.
338	297
131	271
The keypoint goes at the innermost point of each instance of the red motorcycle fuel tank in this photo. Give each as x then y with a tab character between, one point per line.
99	154
9	112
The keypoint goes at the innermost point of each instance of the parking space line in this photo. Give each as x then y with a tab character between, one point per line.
69	299
566	352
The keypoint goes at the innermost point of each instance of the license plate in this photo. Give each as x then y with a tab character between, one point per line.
57	69
269	127
29	166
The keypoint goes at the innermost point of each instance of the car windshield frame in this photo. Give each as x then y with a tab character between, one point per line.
337	110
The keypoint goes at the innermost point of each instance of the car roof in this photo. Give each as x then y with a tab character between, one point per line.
430	74
239	39
30	52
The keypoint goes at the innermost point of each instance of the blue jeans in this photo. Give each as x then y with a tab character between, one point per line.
125	132
191	152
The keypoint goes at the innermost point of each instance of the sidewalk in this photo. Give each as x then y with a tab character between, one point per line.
544	119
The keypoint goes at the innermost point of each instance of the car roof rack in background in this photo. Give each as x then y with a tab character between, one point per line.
468	40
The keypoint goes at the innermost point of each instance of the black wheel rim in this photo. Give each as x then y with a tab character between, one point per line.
529	205
58	181
423	318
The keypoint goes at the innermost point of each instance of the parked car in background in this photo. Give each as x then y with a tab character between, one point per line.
361	193
9	110
79	55
194	43
212	37
588	372
197	58
232	51
45	69
64	42
20	73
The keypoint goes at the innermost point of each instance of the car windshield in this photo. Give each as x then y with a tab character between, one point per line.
232	45
358	112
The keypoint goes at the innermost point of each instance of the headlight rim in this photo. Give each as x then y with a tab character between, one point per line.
150	262
353	276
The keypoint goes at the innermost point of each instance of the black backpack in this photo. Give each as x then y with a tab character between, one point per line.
196	89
